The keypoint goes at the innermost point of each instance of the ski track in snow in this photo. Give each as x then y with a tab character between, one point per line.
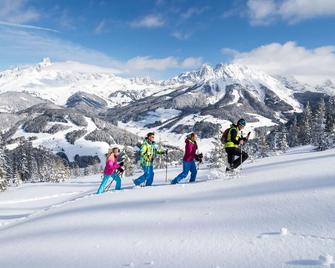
27	217
215	222
79	196
36	199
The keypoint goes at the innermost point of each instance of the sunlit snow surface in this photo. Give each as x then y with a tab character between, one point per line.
278	212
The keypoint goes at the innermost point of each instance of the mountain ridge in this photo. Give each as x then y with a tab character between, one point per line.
58	81
202	100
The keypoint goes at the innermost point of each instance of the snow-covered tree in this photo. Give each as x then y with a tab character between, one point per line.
218	155
262	143
319	126
305	133
60	172
86	171
3	166
129	158
75	170
293	133
330	120
22	160
282	138
274	139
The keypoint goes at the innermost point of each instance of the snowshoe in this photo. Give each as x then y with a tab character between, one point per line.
231	172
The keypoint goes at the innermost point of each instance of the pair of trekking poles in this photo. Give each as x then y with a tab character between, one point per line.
241	147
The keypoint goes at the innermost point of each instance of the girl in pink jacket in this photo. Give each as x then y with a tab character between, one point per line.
111	168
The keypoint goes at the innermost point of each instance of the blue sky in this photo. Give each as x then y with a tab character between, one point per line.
161	38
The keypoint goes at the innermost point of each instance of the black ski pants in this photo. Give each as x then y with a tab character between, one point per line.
234	151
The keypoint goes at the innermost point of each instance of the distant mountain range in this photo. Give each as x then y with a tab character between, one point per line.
42	100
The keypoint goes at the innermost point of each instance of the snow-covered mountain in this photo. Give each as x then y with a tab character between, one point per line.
223	75
58	81
204	100
209	99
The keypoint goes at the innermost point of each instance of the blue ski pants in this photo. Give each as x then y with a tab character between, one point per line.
147	177
187	167
105	180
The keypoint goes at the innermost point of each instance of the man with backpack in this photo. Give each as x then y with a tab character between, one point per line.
232	140
149	150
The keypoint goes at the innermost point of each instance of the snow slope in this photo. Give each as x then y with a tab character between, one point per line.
217	222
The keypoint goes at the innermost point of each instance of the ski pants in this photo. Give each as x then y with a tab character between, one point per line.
187	167
105	180
147	177
235	151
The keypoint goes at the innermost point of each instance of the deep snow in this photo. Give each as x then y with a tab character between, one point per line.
279	212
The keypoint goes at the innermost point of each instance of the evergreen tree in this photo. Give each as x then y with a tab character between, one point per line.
330	120
60	172
129	158
35	165
319	126
22	162
10	174
293	133
282	139
75	170
14	177
3	166
29	152
261	142
305	134
274	139
3	181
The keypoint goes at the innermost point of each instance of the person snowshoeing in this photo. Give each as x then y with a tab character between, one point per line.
189	159
111	170
232	141
149	150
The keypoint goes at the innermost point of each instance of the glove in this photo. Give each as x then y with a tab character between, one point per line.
198	157
120	169
164	152
121	164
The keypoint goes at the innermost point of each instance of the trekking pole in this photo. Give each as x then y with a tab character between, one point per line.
166	166
242	145
241	156
241	148
109	186
198	164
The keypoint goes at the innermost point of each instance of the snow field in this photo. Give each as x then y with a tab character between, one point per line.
279	212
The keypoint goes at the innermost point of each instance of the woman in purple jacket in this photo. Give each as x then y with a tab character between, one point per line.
189	159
